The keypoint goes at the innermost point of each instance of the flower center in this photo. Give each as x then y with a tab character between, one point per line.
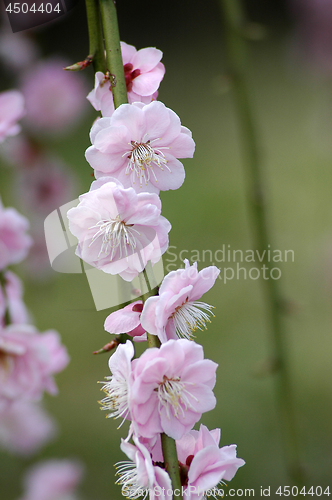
191	316
129	481
130	75
172	394
142	158
115	235
117	398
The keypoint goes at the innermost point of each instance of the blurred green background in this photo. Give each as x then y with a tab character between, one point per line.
292	105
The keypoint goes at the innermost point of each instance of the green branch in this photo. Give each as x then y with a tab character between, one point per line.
113	52
96	43
236	55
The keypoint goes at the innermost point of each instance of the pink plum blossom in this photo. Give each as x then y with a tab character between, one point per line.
14	242
140	476
139	145
45	184
11	110
53	480
28	361
127	320
117	388
170	388
176	312
11	300
204	462
143	73
55	99
118	230
25	427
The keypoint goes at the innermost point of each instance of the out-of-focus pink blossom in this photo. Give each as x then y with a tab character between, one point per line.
14	242
45	185
313	28
117	388
11	110
171	387
55	99
118	230
176	311
25	427
142	477
28	361
127	320
17	50
11	300
140	146
143	73
19	152
53	480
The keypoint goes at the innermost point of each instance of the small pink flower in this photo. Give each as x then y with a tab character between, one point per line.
118	230
11	299
55	99
117	389
170	388
11	110
204	462
127	320
140	476
25	427
53	479
28	361
176	312
45	184
14	242
143	73
139	145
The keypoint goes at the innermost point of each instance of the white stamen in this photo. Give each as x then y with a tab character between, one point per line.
191	316
116	234
143	157
129	482
172	393
117	398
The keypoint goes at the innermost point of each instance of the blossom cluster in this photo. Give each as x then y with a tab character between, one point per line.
28	359
135	151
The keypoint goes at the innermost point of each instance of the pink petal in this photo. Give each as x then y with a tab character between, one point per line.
146	59
146	84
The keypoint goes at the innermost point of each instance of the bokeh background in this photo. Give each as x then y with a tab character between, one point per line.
290	82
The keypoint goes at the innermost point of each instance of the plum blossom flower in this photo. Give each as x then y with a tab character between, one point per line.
11	110
117	388
203	463
140	146
25	427
170	389
143	73
28	361
118	230
53	480
127	320
11	300
54	98
140	476
14	242
176	312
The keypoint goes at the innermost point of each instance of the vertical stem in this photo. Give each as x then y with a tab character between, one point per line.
113	52
7	317
96	43
236	55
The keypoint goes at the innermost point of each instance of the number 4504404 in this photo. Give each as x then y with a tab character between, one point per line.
24	8
294	491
